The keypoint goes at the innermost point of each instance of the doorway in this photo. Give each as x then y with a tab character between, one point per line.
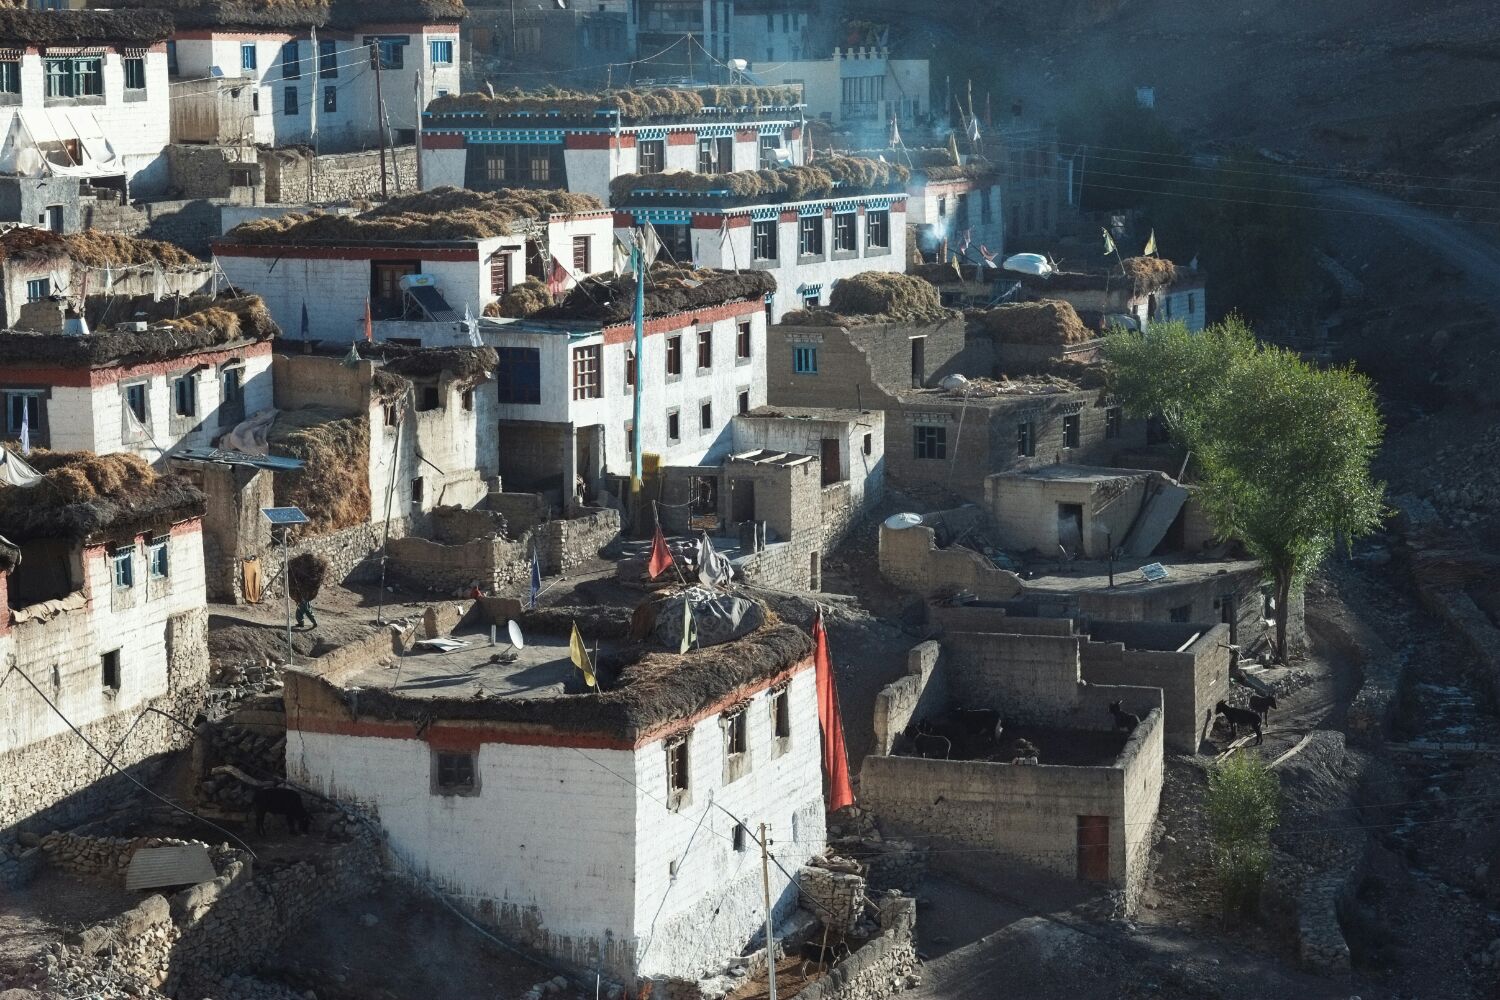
1070	528
742	500
1093	848
918	362
830	458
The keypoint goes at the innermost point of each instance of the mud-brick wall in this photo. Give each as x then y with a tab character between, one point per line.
353	555
291	176
921	694
910	559
567	543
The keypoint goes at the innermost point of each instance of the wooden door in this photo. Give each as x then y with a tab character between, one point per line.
1093	848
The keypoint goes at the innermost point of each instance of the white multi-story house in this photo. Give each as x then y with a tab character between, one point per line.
858	86
543	141
102	612
681	38
83	100
171	384
613	831
774	30
567	381
806	238
399	260
314	69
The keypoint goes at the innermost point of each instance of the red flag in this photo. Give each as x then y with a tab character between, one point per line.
835	754
369	326
557	282
661	556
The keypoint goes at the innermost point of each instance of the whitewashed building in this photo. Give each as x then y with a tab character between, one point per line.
83	101
311	70
858	87
949	205
541	141
399	260
102	609
566	380
175	383
612	831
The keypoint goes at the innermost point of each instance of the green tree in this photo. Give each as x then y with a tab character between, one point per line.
1283	447
1243	803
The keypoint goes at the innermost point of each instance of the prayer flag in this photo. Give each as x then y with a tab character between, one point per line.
1109	242
536	580
661	556
580	656
835	754
1150	250
369	323
689	626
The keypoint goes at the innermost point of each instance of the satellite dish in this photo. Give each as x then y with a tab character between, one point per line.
516	638
899	521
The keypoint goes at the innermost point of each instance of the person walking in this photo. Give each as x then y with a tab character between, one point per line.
304	579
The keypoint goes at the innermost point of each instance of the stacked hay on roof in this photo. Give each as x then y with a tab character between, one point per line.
333	486
829	174
444	213
138	26
291	13
1149	273
610	299
98	248
202	322
631	104
1050	322
86	496
468	366
875	297
525	299
28	243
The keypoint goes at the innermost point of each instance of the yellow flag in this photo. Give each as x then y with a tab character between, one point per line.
1150	250
580	656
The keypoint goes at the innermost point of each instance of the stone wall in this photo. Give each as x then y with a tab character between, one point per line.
1320	937
492	564
910	559
522	511
198	170
103	859
353	555
294	176
882	968
837	897
923	692
1191	680
566	543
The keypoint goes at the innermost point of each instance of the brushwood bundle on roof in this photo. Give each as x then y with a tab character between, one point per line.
631	105
469	365
875	297
202	322
1050	322
93	248
291	13
934	163
526	299
611	299
139	26
83	496
444	213
830	174
333	485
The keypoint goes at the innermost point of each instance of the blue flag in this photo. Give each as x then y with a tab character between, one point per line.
536	579
304	321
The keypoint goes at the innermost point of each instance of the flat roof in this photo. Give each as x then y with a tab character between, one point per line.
830	413
1092	576
1063	472
538	671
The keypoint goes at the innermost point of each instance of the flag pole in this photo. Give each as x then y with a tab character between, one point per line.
637	260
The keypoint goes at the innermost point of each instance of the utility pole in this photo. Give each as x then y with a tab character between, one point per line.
765	883
379	116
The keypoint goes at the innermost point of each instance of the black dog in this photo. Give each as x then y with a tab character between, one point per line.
1237	717
282	802
1123	720
1262	704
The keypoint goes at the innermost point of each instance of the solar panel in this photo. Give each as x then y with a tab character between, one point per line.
282	517
1154	572
431	302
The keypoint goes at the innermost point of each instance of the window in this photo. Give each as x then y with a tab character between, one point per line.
156	557
418	490
869	443
805	360
135	73
735	737
289	102
878	230
652	156
674	426
1182	614
742	339
441	51
770	146
172	58
498	165
810	235
581	263
930	442
843	232
986	206
629	369
716	156
427	398
81	76
38	289
942	206
810	300
390	413
706	416
1192	303
674	355
1113	418
392	51
744	401
109	669
781	714
765	240
454	773
518	375
1025	439
185	395
677	768
466	400
328	58
291	61
586	384
741	839
330	98
499	274
705	349
124	566
22	408
231	384
135	398
1071	430
10	77
255	100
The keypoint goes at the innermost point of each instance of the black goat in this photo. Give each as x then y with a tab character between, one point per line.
1261	705
920	739
283	802
974	731
1237	717
1123	720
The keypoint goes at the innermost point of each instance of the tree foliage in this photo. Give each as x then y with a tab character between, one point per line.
1283	447
1243	804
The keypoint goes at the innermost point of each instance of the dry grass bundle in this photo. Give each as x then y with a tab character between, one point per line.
632	105
611	299
525	299
859	172
305	575
82	495
29	243
202	322
140	26
974	170
332	487
97	248
878	293
1149	272
791	183
1048	322
444	213
291	13
468	365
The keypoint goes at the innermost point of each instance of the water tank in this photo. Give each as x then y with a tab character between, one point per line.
898	521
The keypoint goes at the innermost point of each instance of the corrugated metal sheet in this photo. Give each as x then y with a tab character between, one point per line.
157	867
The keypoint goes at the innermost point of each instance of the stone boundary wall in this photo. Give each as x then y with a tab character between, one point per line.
778	566
1320	936
565	543
353	556
883	968
499	564
923	692
910	559
336	176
